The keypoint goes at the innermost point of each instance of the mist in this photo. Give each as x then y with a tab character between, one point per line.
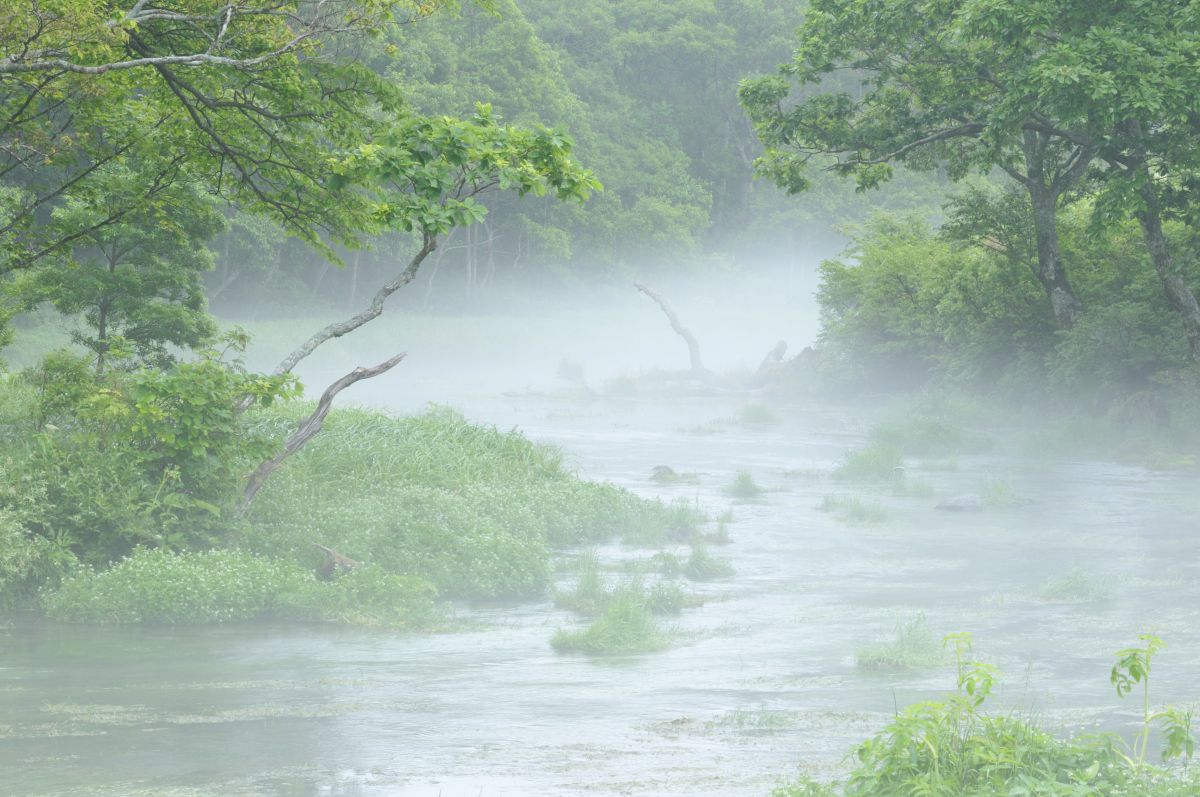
607	398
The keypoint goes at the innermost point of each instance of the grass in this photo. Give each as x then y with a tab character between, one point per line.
157	586
853	510
703	566
592	596
999	493
758	415
429	503
626	626
874	464
1076	586
743	486
914	647
925	435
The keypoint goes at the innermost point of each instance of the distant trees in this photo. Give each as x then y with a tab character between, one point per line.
1063	96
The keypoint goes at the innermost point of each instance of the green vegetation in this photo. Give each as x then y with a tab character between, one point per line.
625	626
923	435
1076	586
427	503
744	487
998	492
157	586
873	464
758	415
853	510
914	647
953	747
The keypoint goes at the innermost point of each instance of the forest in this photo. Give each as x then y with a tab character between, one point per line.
490	223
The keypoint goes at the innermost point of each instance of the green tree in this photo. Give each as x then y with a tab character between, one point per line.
936	88
135	282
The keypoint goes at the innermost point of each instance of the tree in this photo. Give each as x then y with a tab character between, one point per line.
136	282
249	96
936	88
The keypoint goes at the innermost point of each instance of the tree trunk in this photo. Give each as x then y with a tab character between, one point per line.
1050	271
373	311
1180	296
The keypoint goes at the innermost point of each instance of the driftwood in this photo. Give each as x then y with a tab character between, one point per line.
680	330
311	426
334	563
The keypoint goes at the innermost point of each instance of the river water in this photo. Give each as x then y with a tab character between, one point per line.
761	682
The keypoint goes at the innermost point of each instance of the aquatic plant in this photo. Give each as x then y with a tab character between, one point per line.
875	463
1076	586
758	415
998	492
626	626
743	486
853	510
703	566
913	647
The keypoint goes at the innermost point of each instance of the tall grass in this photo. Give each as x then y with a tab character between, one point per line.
875	463
626	626
913	647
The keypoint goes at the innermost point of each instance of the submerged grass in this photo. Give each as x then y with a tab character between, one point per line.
913	647
876	463
1075	586
853	510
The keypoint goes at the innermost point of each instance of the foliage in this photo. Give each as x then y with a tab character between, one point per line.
626	626
914	647
472	509
138	457
703	566
157	586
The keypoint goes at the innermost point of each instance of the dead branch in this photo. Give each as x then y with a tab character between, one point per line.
311	426
680	329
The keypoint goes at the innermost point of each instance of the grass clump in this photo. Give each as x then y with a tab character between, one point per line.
1076	586
914	647
743	486
625	626
875	463
703	566
999	493
853	510
758	415
591	596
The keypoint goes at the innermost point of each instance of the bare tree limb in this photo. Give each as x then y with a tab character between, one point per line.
680	329
373	311
311	426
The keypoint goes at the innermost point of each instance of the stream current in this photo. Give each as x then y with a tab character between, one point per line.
760	683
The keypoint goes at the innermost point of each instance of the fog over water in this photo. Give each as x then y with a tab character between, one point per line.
760	682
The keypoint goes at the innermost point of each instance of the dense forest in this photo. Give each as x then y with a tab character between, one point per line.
997	198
